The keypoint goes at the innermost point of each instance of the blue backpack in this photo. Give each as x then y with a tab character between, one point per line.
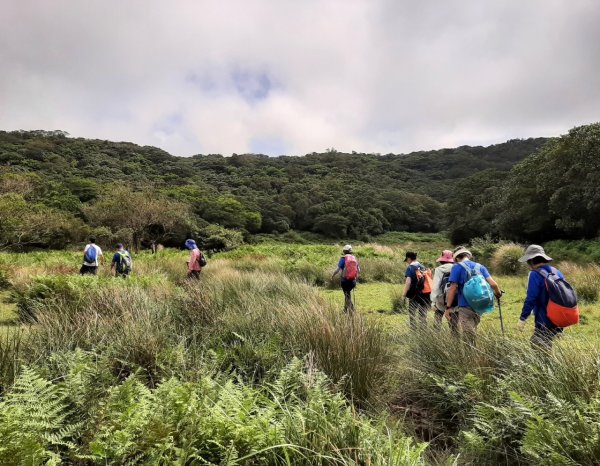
90	255
477	291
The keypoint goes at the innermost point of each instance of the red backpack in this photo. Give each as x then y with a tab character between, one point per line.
350	267
562	308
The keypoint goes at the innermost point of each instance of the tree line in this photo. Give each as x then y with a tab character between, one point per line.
55	190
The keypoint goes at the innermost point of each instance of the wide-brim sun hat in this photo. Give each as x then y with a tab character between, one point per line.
534	250
347	248
460	251
446	256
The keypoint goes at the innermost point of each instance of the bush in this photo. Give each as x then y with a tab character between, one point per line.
483	249
505	260
217	238
585	280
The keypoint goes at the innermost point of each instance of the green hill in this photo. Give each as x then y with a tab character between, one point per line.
334	194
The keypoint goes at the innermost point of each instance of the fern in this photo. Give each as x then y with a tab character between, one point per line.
34	423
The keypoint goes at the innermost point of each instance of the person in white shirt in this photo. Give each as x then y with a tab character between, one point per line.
92	258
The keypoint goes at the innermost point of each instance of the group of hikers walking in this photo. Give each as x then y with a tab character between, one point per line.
122	262
461	290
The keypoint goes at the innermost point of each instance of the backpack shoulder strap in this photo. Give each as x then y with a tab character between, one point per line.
467	269
544	273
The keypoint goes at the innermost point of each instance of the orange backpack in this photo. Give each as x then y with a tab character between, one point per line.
424	280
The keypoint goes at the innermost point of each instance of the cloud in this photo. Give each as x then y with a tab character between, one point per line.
249	75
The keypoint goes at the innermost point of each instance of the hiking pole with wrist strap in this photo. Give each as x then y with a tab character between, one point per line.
500	312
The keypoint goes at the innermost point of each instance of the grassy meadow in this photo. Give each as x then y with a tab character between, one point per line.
256	364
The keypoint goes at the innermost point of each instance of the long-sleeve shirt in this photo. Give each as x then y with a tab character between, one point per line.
438	273
537	298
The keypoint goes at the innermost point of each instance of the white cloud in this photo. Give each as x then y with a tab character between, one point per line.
221	77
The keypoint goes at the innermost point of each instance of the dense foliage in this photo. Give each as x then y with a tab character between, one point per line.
554	193
143	194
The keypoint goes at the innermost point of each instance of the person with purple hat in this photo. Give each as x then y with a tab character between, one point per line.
196	260
441	274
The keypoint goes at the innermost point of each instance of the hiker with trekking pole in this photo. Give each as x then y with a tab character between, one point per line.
350	269
475	288
549	296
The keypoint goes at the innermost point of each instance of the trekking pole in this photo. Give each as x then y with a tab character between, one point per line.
500	312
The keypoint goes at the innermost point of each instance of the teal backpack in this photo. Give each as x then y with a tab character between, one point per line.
477	291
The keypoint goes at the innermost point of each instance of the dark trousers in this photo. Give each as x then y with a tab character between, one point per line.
88	270
544	336
347	287
417	311
194	274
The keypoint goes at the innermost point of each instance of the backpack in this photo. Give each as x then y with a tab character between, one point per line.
124	262
562	309
202	260
424	280
442	297
90	255
477	291
350	268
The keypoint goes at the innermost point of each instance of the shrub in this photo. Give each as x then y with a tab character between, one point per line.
483	248
218	238
505	259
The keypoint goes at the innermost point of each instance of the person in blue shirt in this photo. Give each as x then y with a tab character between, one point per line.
121	262
468	319
537	297
418	303
350	270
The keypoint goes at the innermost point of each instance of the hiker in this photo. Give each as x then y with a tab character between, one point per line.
196	260
350	269
121	262
464	271
439	291
538	298
417	288
92	258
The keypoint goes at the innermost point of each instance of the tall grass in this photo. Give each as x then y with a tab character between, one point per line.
496	401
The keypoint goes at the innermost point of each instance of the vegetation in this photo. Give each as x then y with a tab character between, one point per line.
551	194
85	186
256	365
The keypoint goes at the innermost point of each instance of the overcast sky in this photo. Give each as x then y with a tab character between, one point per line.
297	76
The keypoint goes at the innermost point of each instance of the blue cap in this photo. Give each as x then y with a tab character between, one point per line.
190	244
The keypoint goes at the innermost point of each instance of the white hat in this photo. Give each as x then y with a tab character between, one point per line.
461	251
347	248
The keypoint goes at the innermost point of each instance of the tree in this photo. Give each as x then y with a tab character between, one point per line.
150	217
26	225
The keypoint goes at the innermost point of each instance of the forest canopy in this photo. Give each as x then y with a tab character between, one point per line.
521	189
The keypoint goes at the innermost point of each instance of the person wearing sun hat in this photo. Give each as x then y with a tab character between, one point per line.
438	290
537	297
350	269
468	319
